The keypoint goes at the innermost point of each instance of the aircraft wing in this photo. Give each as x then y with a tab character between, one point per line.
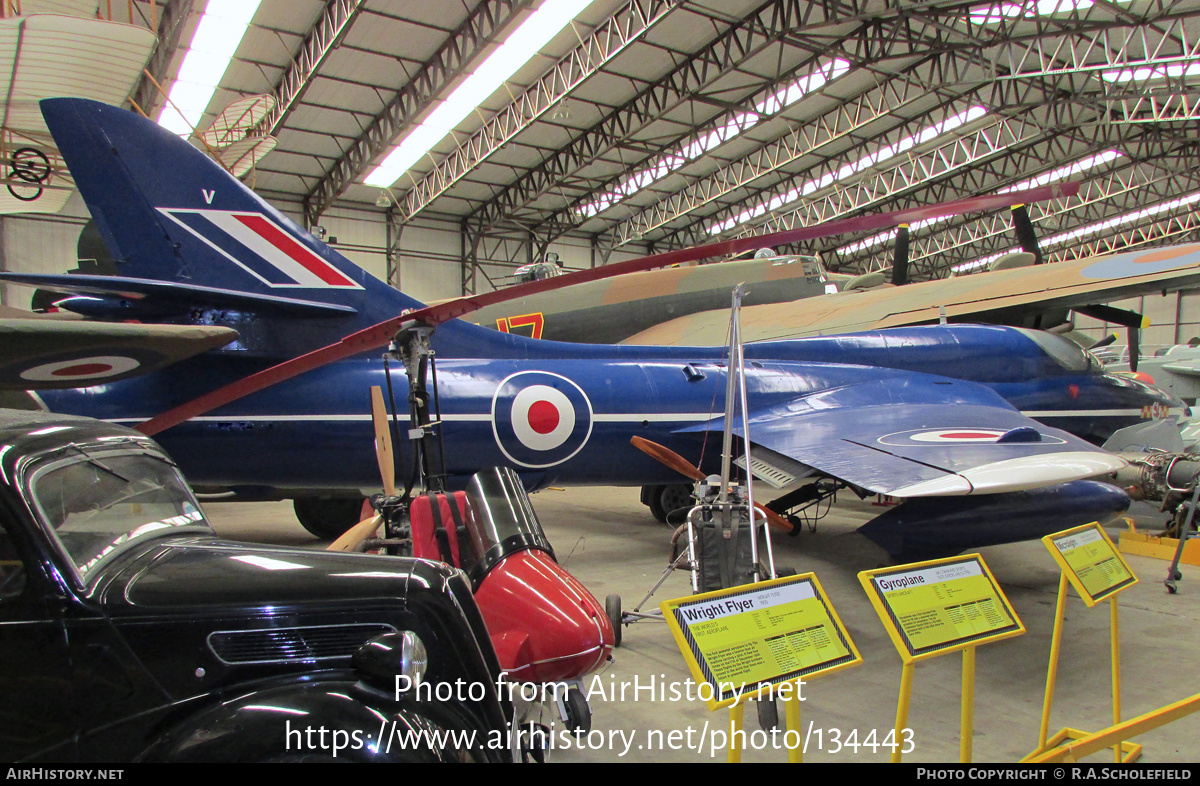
1004	296
609	310
41	353
887	437
44	55
1188	368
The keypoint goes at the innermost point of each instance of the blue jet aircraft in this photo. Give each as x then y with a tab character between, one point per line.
986	431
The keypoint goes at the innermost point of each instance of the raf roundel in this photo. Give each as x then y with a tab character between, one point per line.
82	369
540	419
967	435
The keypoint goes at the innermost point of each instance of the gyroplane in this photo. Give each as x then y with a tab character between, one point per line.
922	413
547	629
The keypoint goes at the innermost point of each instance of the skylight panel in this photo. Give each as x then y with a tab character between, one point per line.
518	49
1065	172
220	31
764	107
1115	221
1062	173
883	154
1150	72
995	13
1090	229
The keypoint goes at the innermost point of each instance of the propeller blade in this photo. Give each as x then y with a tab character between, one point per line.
1104	342
351	538
1117	316
665	455
900	258
381	334
383	441
670	458
1125	318
1026	236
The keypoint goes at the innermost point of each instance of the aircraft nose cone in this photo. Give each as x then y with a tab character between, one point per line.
544	624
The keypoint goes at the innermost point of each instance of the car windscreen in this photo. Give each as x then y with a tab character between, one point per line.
98	504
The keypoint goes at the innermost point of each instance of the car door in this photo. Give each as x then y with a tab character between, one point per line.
37	719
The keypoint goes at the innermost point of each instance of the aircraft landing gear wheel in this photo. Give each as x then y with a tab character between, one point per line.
768	714
612	606
579	713
327	517
665	500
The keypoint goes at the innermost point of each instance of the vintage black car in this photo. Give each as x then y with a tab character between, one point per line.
129	632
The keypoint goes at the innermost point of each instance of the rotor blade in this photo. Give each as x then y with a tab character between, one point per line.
357	534
670	458
1134	347
381	334
900	258
441	312
383	442
1026	236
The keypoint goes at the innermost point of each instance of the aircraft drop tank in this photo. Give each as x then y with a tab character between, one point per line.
943	526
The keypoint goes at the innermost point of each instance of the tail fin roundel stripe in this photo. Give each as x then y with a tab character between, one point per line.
306	259
274	258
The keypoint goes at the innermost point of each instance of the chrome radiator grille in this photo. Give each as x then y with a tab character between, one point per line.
283	645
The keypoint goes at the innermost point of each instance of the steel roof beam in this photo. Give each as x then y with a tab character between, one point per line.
770	23
610	38
936	250
325	35
170	28
480	28
960	69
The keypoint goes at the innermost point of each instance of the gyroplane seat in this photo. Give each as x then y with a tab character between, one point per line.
436	530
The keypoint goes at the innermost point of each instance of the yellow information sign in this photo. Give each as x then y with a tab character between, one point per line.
746	640
1091	562
932	607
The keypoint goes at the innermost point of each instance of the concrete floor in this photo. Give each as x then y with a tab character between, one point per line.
606	538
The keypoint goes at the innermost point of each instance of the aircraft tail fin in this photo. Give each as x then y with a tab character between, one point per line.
170	213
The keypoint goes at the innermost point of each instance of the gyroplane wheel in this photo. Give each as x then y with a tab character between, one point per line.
579	713
665	500
327	517
612	606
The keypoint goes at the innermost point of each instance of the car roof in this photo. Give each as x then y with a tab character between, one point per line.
26	432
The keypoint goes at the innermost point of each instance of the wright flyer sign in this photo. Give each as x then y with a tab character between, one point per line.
747	640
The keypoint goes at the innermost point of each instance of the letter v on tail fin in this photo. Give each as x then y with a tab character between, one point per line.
170	213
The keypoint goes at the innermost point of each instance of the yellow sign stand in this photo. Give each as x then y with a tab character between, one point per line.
1095	568
760	640
931	608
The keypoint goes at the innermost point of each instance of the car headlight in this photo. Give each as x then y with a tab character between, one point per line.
395	661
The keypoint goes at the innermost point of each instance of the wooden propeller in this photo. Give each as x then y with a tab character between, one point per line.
352	538
670	458
381	334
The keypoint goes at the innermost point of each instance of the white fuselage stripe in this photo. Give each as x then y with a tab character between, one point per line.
689	417
1093	413
600	417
